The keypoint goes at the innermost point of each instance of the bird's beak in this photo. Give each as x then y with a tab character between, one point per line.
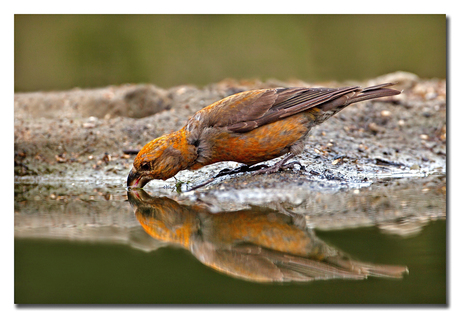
133	179
136	180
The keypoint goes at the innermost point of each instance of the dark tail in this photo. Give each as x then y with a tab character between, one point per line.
332	107
376	91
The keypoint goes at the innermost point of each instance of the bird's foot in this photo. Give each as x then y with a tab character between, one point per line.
279	166
256	169
226	172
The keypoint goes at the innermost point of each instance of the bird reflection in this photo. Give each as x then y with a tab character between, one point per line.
258	244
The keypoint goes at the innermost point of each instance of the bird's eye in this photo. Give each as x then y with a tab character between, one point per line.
145	166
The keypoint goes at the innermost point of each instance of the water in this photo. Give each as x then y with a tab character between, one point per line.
90	245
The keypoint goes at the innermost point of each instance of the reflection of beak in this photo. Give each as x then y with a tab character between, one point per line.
133	195
136	196
136	180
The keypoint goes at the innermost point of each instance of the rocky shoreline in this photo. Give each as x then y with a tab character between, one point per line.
381	162
56	133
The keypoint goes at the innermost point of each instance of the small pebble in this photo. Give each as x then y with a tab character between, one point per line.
385	113
375	128
89	125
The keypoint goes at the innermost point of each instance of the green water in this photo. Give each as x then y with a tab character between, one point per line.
58	271
76	244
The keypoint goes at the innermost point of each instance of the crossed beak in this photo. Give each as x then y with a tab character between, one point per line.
136	180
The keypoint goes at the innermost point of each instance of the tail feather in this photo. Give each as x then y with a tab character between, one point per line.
376	91
368	269
370	88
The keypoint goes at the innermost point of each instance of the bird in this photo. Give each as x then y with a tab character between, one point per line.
256	244
247	127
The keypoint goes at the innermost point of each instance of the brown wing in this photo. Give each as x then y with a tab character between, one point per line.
251	109
246	111
241	107
291	101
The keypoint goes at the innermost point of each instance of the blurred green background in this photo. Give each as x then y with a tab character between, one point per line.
56	52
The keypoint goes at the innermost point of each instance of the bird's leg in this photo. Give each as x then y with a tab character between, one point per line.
226	172
280	165
244	168
257	169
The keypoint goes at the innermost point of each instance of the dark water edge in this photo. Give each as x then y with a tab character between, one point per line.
67	272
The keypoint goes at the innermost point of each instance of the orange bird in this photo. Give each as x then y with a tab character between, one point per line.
248	127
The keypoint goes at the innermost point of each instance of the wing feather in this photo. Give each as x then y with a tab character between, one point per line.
248	110
293	101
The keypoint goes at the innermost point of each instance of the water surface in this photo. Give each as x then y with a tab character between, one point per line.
92	246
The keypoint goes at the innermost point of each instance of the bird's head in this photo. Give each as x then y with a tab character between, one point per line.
161	158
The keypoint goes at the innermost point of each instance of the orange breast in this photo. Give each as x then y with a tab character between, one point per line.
261	144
